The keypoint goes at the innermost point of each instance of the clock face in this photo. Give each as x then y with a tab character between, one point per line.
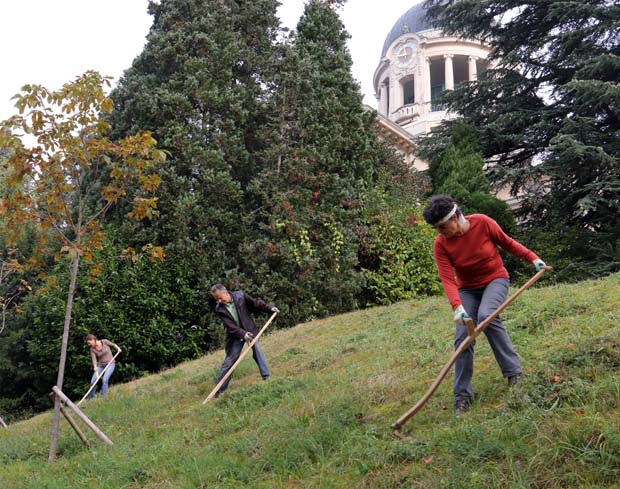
405	54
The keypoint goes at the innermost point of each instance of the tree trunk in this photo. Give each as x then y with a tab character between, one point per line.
63	354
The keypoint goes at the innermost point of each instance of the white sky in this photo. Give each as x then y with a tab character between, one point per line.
50	42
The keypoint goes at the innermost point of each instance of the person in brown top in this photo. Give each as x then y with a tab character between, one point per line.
101	354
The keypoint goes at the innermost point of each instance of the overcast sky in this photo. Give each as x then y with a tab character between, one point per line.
50	42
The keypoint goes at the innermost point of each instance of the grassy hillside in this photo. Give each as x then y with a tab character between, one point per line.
323	419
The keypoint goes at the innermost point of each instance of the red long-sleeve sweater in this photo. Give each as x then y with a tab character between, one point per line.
472	260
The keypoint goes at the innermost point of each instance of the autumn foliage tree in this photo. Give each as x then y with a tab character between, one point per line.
13	281
64	174
12	286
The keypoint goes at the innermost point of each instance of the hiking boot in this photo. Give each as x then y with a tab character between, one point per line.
461	406
514	380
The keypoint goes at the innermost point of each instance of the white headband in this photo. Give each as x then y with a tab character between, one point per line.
448	215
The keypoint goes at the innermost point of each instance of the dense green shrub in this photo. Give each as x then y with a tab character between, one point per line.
399	257
396	251
152	309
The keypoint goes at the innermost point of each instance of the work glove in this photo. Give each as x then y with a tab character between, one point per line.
275	309
460	314
248	336
538	264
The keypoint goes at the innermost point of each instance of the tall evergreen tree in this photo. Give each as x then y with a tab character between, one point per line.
459	171
547	110
317	172
199	85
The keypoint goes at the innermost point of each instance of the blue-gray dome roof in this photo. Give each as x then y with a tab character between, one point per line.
414	20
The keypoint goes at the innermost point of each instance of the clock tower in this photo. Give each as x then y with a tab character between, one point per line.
418	63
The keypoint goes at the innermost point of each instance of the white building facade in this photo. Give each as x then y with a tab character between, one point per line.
418	63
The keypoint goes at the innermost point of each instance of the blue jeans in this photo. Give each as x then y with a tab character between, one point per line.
480	304
104	381
233	355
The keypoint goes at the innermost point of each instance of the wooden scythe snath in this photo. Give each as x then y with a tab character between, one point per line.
2	423
243	354
473	332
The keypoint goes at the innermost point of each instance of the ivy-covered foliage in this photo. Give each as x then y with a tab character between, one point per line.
313	182
399	255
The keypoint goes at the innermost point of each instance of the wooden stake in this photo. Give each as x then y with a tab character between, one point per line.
73	424
2	423
243	354
473	333
82	416
98	377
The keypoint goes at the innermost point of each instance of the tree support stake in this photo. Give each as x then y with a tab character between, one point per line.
72	422
81	415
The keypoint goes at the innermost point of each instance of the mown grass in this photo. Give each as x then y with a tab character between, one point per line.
323	419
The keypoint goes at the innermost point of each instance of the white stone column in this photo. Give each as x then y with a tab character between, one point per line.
449	72
427	80
383	99
393	101
418	88
399	97
473	69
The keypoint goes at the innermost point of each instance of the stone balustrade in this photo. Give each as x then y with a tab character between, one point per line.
405	112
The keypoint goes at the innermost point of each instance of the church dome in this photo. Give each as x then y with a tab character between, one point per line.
414	20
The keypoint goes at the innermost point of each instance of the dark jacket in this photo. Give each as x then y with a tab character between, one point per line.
246	305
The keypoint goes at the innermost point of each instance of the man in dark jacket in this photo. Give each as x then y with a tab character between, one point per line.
234	309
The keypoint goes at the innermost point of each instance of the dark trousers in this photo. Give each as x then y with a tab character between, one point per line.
480	304
232	355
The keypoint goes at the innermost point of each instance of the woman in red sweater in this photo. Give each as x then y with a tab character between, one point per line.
476	283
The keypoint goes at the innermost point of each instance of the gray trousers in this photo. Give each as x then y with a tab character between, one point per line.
479	304
233	354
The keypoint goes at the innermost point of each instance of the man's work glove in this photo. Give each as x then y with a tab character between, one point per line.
538	264
275	309
460	314
248	336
